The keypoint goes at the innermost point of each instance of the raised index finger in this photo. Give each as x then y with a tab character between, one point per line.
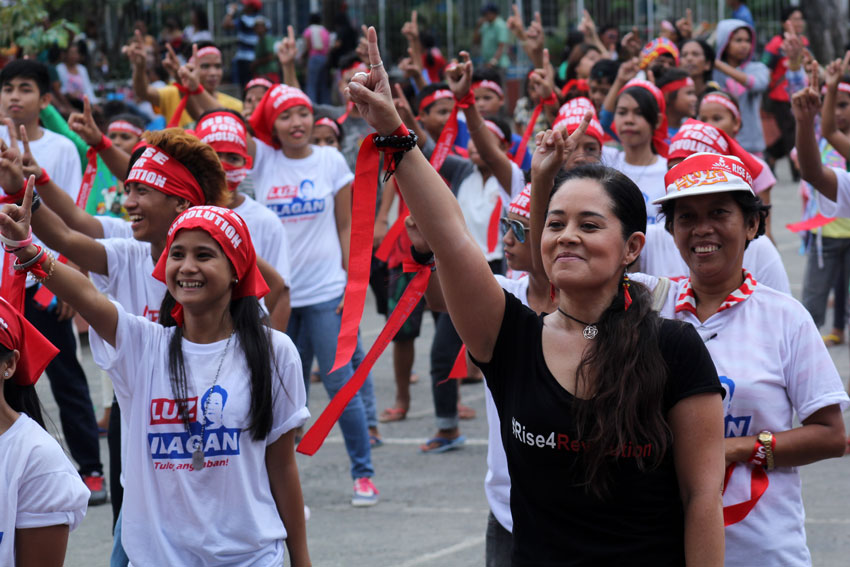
413	18
374	52
26	205
13	135
25	139
582	127
815	79
845	63
86	108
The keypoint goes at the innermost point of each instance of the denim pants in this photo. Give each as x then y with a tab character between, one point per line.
69	386
499	544
818	281
317	80
314	330
119	556
367	391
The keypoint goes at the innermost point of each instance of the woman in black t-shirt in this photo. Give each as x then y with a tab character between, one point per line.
611	419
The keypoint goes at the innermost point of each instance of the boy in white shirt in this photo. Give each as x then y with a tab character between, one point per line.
24	92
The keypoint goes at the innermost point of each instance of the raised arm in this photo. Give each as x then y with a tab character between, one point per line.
806	105
86	128
836	138
474	299
135	51
67	284
287	50
459	78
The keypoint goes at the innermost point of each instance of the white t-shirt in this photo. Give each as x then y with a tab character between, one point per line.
267	235
773	364
130	280
497	483
477	198
301	193
59	157
113	227
648	178
166	503
841	206
39	486
660	257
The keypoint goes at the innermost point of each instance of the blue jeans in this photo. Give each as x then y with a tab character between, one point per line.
119	556
317	80
314	330
367	391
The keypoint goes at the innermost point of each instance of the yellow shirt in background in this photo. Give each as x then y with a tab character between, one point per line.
169	97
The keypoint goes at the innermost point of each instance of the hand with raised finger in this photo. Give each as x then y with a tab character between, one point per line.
515	24
11	169
15	219
84	125
171	62
402	106
287	49
371	92
549	155
571	142
189	74
410	29
588	26
832	73
459	76
631	42
627	71
685	26
28	161
534	36
135	50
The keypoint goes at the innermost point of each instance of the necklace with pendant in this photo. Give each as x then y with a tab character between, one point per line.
590	330
198	453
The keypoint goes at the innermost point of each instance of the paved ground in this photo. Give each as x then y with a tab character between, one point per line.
433	510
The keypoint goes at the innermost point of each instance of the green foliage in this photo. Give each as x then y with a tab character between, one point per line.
27	24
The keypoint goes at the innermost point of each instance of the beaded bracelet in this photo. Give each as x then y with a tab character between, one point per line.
25	267
396	144
38	273
12	245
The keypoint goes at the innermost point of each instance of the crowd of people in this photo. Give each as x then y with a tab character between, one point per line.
598	252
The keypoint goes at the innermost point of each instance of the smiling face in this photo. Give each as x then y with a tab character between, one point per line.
197	272
293	127
711	234
151	212
582	243
632	127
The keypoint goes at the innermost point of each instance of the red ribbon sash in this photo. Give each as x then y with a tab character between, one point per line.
88	178
174	121
493	226
12	283
316	435
758	485
529	130
816	221
364	193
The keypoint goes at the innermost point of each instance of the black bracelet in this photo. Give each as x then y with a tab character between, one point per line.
423	258
404	143
36	202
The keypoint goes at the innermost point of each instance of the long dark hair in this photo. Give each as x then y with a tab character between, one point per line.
625	374
22	399
647	107
255	340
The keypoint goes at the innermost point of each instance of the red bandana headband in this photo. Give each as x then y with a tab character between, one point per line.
124	126
434	97
208	50
842	87
521	204
224	132
676	85
581	86
488	84
660	133
656	47
722	101
701	174
276	100
258	82
228	229
329	123
16	333
495	129
571	114
158	170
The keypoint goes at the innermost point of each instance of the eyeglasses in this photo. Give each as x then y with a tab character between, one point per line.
514	226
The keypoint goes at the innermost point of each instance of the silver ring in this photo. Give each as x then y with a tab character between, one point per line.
380	64
360	73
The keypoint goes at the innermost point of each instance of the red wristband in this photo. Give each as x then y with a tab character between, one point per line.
104	144
401	131
466	101
550	100
758	458
42	179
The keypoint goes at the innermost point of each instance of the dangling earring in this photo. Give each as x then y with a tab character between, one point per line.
626	295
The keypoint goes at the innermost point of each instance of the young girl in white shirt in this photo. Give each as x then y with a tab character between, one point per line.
211	397
43	496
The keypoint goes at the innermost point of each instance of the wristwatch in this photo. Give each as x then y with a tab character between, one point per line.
767	440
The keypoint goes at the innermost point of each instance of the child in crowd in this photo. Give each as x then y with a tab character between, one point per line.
680	96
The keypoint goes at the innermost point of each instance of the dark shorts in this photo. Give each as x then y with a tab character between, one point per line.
781	111
397	284
378	281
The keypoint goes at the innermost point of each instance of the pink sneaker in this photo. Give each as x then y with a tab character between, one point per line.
365	493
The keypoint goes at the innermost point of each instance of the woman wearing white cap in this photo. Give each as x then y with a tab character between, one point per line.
768	353
609	459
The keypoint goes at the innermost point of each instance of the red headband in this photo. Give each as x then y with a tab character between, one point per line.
676	85
224	132
16	333
276	100
488	84
495	129
259	82
656	47
329	123
843	87
124	126
229	230
660	133
521	204
439	94
698	137
208	50
722	101
571	114
580	85
158	170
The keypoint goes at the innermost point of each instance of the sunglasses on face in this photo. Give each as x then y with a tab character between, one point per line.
514	226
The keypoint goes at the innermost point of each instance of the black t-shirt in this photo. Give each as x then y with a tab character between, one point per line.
556	521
